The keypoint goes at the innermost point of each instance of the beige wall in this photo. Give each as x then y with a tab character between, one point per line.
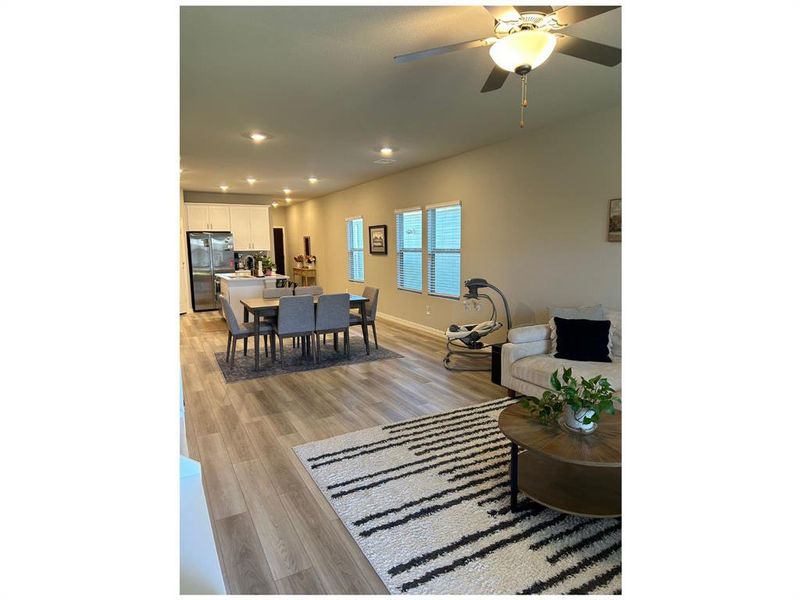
533	222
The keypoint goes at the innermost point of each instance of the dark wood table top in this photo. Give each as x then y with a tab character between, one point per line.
603	448
255	304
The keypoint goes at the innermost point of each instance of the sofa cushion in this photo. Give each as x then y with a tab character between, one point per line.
538	368
593	313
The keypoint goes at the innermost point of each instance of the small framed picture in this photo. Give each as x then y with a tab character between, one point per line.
615	220
377	239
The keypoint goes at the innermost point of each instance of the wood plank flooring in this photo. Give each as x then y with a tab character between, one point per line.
275	531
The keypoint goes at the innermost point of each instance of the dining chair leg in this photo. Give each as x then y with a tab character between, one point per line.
316	358
336	341
375	334
347	343
228	351
266	344
233	351
272	340
245	346
325	339
280	341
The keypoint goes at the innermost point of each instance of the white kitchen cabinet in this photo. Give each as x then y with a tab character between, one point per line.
249	224
259	228
240	227
219	218
197	217
207	217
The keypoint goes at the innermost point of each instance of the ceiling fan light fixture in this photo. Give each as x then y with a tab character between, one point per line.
523	51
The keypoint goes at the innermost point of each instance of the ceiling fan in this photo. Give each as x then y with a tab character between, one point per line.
525	37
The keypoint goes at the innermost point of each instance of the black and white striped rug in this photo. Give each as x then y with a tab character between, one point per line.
427	500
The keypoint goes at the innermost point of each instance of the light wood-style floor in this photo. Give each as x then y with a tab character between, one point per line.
275	531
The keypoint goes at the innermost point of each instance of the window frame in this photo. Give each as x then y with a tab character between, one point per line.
432	252
351	249
401	250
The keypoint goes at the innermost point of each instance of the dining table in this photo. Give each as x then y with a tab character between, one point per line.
269	307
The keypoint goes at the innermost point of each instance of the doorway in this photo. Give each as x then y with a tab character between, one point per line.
278	250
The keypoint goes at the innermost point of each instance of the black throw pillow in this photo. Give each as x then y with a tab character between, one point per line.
582	339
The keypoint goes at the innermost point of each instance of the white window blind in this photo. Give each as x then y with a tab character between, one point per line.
409	249
444	250
355	249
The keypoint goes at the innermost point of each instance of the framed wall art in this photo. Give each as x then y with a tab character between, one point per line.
377	239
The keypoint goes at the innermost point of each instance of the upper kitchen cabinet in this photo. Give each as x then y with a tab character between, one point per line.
240	228
197	217
248	224
207	217
259	227
219	217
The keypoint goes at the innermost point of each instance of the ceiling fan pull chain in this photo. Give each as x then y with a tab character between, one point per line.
524	102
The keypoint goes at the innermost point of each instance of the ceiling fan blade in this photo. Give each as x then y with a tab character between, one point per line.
591	51
569	15
495	80
540	9
503	13
402	58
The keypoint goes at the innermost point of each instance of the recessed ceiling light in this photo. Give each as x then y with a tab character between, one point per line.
312	180
274	204
288	200
224	188
257	136
251	180
386	151
287	191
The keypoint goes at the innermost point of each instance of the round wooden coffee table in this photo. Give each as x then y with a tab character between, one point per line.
569	472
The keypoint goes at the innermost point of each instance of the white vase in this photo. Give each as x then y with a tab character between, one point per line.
573	420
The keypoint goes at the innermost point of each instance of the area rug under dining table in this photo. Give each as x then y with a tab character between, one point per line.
243	367
427	501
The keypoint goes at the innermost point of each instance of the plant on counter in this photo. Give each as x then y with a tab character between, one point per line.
266	260
586	400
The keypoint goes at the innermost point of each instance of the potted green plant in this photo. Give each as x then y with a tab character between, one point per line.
576	405
266	262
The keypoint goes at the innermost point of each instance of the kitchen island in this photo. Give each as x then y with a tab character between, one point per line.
236	287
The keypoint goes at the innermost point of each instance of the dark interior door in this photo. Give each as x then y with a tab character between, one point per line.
277	250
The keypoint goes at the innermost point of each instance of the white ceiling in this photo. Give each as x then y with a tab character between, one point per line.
322	81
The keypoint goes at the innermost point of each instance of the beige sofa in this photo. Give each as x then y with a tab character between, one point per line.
527	362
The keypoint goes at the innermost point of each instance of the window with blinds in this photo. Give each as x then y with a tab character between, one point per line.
444	250
409	249
355	249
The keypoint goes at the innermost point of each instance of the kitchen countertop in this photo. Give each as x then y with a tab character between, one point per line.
231	278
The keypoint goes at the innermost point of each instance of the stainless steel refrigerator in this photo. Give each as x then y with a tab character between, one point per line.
209	254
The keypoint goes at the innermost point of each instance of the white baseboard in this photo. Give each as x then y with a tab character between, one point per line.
411	325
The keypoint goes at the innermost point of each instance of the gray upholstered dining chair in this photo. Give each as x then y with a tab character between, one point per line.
276	292
371	308
308	290
333	316
295	319
238	331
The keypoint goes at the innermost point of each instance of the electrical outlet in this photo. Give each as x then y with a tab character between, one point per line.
427	309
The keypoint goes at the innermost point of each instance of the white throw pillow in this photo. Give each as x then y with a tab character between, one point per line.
615	316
